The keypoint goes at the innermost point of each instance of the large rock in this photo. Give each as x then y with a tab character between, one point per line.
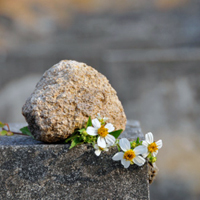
64	98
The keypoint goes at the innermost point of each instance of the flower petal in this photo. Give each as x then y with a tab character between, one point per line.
155	153
138	160
118	156
125	163
98	116
110	140
110	127
145	154
96	146
96	123
124	144
159	143
101	142
140	150
91	131
105	119
149	137
98	152
145	143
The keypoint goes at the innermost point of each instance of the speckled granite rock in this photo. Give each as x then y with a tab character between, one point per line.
64	98
47	171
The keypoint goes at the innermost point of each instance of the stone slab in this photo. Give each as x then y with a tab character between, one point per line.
33	170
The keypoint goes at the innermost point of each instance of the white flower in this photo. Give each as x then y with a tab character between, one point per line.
102	120
151	145
103	133
99	149
130	156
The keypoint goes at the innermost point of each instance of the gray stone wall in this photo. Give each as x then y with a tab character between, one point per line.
30	169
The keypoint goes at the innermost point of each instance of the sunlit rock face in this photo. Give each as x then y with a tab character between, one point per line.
64	98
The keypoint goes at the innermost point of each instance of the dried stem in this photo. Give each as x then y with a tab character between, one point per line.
8	126
17	133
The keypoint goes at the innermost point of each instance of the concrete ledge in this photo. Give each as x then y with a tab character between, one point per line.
33	170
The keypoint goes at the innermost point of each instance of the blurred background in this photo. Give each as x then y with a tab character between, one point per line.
148	49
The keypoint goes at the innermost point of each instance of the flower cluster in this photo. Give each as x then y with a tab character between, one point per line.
103	136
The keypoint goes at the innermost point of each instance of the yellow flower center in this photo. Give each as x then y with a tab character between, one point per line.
103	131
129	155
153	147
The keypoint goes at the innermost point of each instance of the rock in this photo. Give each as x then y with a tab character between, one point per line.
64	98
31	170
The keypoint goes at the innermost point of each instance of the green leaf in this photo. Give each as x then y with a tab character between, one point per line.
117	133
4	132
71	138
138	140
81	130
26	131
89	122
2	124
75	142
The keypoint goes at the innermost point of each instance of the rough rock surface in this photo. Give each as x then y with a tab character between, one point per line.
64	98
32	170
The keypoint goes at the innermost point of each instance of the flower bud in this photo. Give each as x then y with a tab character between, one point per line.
133	144
152	159
84	132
